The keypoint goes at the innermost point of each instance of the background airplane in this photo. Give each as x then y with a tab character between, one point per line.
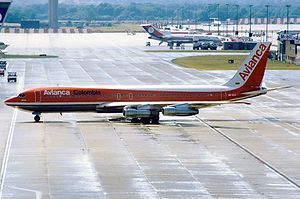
144	103
4	6
178	39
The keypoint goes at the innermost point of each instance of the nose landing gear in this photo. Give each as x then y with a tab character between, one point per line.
37	117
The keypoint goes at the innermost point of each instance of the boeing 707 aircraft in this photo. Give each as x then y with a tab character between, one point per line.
144	103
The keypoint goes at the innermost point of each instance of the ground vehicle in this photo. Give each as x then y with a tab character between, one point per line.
2	72
12	77
205	46
213	46
148	43
200	45
3	65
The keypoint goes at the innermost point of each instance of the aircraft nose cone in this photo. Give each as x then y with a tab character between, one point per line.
9	101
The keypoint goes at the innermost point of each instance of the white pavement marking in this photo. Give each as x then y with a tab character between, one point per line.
7	151
9	142
38	194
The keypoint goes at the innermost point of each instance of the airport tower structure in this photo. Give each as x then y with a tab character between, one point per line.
52	13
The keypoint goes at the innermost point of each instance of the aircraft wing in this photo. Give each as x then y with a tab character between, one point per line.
158	105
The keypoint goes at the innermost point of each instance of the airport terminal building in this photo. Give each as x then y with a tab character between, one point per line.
289	46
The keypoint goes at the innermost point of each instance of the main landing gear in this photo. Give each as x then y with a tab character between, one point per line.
146	120
37	117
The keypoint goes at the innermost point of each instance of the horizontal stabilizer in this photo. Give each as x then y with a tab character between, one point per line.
279	88
257	92
246	103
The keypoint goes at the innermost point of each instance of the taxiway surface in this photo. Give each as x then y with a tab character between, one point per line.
230	151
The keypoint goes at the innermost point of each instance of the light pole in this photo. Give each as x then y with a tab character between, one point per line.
181	14
287	18
237	20
267	24
195	15
167	22
218	19
227	5
177	15
250	20
208	17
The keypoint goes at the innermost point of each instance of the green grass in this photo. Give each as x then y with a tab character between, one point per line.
123	27
220	62
7	56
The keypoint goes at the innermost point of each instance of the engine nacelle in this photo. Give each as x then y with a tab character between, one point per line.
137	113
179	111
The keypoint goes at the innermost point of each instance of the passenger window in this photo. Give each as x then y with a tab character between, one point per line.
22	95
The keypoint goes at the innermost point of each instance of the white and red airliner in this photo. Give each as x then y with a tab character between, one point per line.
178	37
144	103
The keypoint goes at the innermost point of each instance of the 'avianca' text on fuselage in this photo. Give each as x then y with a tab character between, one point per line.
144	103
250	66
61	93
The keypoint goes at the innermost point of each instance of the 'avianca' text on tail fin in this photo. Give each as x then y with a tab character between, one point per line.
251	72
4	5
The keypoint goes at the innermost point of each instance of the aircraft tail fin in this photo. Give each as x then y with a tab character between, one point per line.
4	5
251	72
153	31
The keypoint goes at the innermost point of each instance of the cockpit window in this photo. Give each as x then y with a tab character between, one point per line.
22	95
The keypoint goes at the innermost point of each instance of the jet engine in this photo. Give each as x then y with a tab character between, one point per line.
179	111
137	113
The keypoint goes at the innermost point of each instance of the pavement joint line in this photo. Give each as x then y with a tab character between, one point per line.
133	157
7	151
271	119
204	189
268	165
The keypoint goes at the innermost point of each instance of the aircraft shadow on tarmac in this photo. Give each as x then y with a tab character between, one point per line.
179	123
259	120
65	122
229	127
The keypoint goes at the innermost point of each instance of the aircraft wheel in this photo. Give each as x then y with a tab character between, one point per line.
37	118
135	120
155	120
145	120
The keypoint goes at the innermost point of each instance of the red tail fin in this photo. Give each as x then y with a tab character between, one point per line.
251	72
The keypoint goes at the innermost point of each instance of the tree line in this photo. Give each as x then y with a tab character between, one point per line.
149	11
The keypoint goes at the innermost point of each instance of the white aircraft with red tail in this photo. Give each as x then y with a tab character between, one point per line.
178	37
144	103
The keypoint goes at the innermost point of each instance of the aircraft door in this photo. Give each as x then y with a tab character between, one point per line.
118	96
224	96
130	96
38	96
